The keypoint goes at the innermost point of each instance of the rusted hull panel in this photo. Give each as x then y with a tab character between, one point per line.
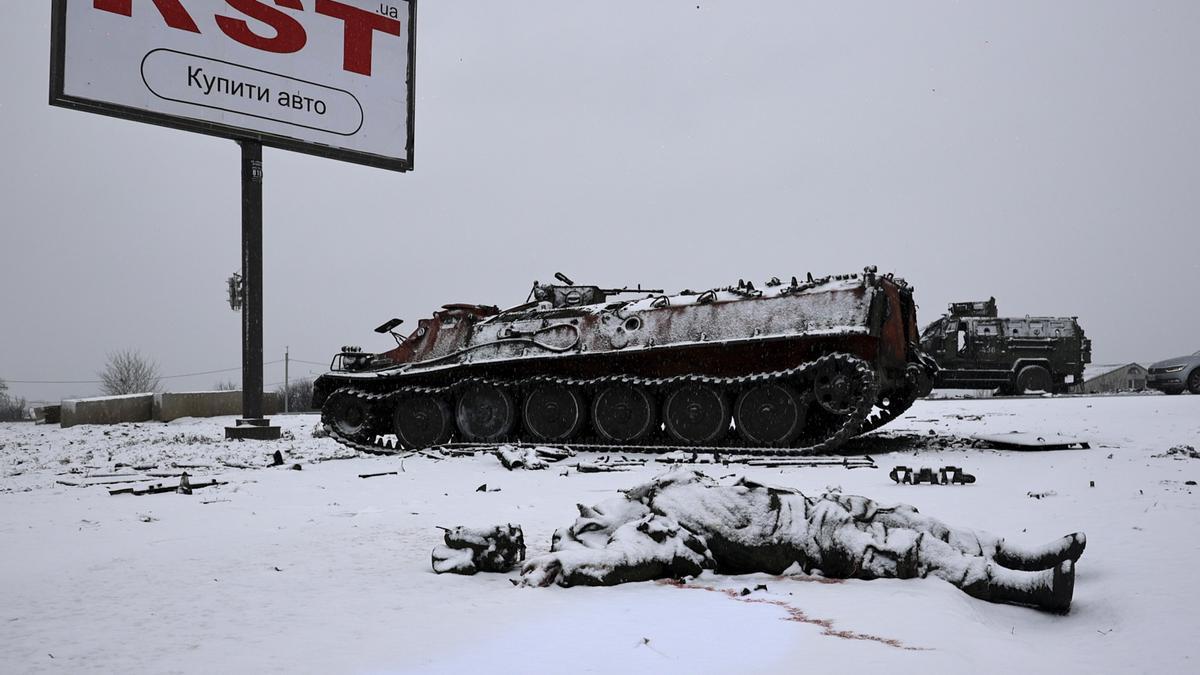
717	359
836	309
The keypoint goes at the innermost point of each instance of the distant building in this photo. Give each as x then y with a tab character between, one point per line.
1112	378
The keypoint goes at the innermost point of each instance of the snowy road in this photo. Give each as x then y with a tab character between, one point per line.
319	570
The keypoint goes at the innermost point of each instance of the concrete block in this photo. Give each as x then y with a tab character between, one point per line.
107	410
251	430
48	414
172	406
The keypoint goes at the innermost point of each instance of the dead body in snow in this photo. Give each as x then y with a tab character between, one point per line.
684	522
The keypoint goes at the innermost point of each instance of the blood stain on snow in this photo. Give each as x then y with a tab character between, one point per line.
798	615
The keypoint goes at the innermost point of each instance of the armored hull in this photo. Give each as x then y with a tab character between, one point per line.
975	348
792	368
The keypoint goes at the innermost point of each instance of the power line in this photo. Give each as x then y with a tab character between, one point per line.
212	372
53	381
161	377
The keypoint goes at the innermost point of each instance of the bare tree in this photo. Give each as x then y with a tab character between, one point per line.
298	395
11	409
227	385
128	372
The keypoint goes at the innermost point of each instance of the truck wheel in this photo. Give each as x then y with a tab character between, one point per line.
1194	381
1034	378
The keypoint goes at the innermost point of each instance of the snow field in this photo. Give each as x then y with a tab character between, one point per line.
319	570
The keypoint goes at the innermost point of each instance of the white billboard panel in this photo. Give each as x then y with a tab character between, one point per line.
327	77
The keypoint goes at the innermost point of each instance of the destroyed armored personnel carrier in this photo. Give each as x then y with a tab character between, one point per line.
795	367
975	348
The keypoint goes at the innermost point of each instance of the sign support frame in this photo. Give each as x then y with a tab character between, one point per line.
252	423
251	139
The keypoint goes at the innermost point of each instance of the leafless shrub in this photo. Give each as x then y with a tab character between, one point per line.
128	372
12	409
298	395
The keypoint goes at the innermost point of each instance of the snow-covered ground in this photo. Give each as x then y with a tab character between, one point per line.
319	570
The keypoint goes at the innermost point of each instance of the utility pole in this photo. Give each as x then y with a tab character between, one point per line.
287	389
252	423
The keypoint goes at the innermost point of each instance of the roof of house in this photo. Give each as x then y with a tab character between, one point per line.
1095	370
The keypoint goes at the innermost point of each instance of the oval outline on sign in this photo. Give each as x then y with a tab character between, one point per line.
361	112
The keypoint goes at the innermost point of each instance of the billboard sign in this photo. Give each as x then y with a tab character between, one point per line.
333	78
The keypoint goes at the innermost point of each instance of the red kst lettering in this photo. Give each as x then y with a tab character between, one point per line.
360	26
289	34
360	29
172	12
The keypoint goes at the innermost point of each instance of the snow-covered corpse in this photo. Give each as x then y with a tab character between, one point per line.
683	522
326	77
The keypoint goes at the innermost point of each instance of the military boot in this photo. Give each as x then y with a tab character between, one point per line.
1045	557
1050	590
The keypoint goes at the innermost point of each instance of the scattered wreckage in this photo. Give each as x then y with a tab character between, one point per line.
947	475
541	457
684	522
796	367
1027	440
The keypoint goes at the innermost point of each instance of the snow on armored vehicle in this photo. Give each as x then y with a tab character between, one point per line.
975	348
795	368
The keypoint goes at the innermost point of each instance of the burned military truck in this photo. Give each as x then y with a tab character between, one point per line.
975	348
795	367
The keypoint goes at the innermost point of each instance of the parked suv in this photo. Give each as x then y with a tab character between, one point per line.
1172	376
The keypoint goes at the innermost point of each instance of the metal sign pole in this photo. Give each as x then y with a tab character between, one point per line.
252	424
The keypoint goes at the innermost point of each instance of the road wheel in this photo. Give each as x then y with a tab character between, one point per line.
769	414
553	413
422	421
1034	379
697	414
485	413
1193	381
623	413
348	414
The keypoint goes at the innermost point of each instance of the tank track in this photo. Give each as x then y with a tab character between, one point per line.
882	414
863	402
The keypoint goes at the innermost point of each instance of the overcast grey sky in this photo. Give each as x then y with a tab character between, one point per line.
1046	153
